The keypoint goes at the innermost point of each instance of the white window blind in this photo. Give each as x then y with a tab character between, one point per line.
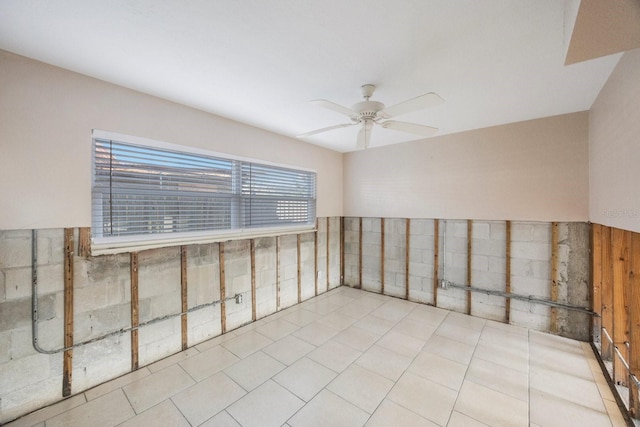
142	192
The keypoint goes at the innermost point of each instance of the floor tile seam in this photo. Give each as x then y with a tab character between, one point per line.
501	392
126	396
421	416
316	395
569	402
174	405
464	378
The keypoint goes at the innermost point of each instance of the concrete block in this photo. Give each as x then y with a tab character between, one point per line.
3	294
99	362
203	324
15	314
6	346
51	279
90	298
497	264
488	307
530	286
542	232
15	249
91	324
20	343
481	230
30	397
479	262
18	373
17	283
531	251
163	305
159	340
521	232
51	334
498	231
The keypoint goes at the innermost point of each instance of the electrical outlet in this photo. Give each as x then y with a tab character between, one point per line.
238	298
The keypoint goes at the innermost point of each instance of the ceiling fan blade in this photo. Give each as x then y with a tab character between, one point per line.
409	127
364	136
334	107
313	132
418	103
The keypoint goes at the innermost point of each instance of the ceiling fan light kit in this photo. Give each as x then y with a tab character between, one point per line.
367	113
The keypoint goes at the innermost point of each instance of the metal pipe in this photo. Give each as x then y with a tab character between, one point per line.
529	298
622	359
34	308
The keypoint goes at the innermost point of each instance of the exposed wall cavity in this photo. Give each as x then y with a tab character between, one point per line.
476	254
281	273
186	295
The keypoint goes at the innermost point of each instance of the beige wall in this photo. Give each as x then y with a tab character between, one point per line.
535	170
46	118
614	148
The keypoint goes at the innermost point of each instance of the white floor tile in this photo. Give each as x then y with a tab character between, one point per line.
443	371
108	410
254	370
153	389
385	362
201	401
223	419
491	407
288	349
426	398
208	362
305	378
362	387
268	405
246	344
334	355
329	410
164	413
392	414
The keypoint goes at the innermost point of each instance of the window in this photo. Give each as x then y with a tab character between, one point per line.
145	196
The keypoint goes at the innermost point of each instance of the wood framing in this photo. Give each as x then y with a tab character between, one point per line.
507	273
620	240
67	360
596	276
223	290
341	250
406	258
135	313
253	279
183	293
469	247
382	256
328	240
277	273
553	322
315	260
298	262
607	290
360	254
84	242
634	321
436	249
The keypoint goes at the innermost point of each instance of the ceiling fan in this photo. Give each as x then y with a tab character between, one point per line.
367	113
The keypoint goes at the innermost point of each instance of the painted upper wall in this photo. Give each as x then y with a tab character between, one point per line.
534	170
46	118
614	148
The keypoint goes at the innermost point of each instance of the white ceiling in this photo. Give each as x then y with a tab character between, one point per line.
261	61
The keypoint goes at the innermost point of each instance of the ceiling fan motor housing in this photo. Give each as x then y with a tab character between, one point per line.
367	110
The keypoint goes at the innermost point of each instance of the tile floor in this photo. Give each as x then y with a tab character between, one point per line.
353	358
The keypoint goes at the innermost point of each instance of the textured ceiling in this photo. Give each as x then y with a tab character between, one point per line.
260	62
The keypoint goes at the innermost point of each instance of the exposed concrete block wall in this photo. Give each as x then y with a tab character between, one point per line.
102	304
531	273
530	262
395	252
203	278
265	255
323	282
488	268
334	252
288	271
421	259
352	252
371	258
454	269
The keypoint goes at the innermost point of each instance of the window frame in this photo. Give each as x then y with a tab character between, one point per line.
101	244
